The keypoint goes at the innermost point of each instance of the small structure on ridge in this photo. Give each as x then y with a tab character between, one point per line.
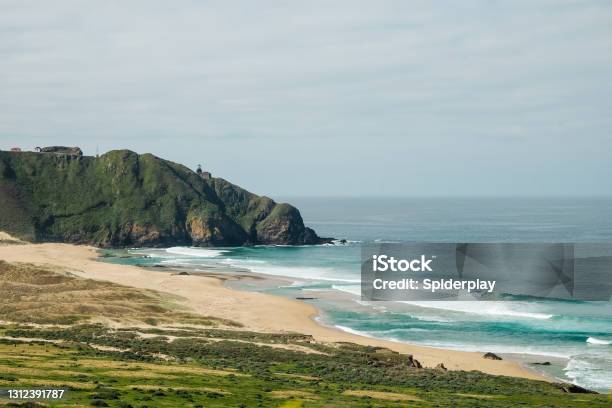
204	174
69	151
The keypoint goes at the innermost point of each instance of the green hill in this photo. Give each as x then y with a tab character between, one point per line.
125	199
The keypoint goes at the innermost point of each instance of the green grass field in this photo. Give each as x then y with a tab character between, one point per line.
137	349
228	374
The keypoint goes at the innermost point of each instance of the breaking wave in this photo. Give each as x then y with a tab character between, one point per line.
599	342
484	308
196	252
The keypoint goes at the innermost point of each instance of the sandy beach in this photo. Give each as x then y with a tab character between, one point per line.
256	311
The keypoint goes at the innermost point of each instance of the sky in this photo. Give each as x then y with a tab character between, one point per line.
320	98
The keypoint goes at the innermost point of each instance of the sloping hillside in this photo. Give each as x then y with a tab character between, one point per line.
125	199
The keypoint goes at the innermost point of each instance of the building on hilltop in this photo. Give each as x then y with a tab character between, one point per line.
204	174
69	151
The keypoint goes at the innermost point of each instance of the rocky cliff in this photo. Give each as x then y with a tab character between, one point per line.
125	199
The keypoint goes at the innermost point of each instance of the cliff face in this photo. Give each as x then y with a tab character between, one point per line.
125	199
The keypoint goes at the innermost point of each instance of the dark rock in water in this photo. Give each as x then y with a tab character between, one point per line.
576	389
492	356
441	367
545	363
413	362
123	199
343	241
305	298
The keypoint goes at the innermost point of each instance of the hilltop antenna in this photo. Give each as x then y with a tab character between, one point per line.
97	150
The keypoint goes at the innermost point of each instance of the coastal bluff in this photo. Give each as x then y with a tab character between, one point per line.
122	199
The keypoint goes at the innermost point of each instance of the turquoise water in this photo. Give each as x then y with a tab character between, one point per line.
575	336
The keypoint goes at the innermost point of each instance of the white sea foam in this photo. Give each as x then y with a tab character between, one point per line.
399	331
471	307
599	342
483	308
294	284
236	262
352	289
177	262
307	272
316	290
196	252
590	374
431	318
495	348
353	331
153	253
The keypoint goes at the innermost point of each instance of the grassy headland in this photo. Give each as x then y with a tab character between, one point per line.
125	199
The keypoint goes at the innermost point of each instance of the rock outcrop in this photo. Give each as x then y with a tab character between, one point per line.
125	199
441	367
413	362
575	389
491	356
71	151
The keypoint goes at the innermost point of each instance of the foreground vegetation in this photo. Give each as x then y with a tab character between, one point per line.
125	353
122	368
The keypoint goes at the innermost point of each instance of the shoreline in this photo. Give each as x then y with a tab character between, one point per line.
238	281
207	295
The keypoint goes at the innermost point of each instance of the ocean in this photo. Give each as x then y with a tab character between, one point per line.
574	337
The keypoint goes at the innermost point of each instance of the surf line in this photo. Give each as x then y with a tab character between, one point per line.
434	285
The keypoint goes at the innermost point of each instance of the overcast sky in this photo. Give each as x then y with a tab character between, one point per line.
323	98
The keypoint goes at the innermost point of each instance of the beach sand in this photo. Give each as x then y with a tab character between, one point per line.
256	311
